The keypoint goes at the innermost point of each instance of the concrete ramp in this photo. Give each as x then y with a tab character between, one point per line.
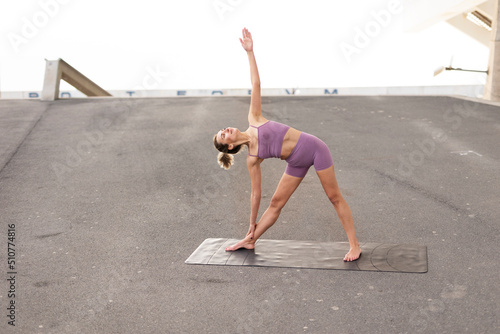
110	196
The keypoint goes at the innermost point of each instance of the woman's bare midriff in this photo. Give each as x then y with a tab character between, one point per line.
289	142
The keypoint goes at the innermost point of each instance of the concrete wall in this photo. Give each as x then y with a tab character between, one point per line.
465	90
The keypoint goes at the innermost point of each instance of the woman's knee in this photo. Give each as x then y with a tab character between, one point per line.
277	203
335	198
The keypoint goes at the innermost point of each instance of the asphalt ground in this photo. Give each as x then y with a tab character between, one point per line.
110	196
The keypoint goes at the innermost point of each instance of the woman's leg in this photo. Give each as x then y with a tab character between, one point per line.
285	189
329	183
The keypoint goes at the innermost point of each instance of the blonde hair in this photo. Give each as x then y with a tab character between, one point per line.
225	160
226	156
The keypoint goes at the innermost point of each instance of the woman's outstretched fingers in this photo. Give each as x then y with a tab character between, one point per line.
246	41
251	231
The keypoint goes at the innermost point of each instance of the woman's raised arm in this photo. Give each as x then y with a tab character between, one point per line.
254	114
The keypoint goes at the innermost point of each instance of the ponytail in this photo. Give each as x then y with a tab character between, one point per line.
226	156
225	160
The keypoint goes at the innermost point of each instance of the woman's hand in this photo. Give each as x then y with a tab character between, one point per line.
251	230
247	42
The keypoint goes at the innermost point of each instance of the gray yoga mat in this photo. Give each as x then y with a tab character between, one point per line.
312	255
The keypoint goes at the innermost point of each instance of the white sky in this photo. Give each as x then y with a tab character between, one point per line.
296	43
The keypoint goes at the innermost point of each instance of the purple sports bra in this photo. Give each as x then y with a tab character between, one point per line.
270	138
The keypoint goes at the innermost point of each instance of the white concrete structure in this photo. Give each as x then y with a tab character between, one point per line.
476	18
492	88
424	13
475	91
55	70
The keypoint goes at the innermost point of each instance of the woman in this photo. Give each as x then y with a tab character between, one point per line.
266	139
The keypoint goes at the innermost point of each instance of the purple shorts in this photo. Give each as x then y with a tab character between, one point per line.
308	151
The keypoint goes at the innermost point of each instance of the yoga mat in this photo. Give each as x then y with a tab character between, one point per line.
312	255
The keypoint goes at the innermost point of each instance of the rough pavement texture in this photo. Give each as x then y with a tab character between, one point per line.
110	196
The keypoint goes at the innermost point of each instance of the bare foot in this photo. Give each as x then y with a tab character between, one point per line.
353	254
245	243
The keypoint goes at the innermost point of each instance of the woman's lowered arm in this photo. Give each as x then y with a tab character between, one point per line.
253	164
